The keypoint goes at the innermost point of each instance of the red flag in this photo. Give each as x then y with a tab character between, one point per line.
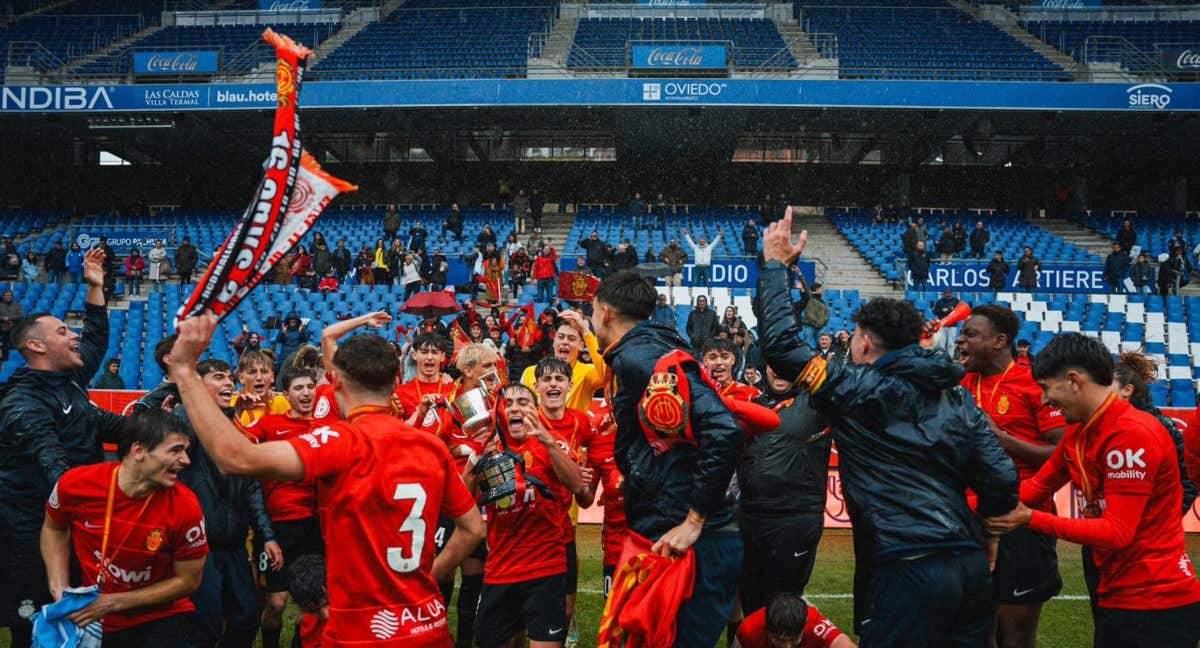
530	333
492	286
577	286
458	336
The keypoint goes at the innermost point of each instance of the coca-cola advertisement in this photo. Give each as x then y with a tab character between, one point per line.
679	57
1069	4
1181	60
175	62
288	5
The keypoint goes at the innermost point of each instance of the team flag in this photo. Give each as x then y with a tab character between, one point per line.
577	286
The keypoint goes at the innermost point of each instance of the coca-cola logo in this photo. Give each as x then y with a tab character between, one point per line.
174	62
288	5
679	57
1188	59
1065	4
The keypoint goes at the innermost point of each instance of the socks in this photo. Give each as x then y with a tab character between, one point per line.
468	605
270	637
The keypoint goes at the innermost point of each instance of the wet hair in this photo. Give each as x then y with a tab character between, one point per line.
1074	351
787	615
628	293
1024	343
294	372
552	365
429	340
252	358
205	367
26	329
306	357
522	387
1002	319
306	582
719	345
162	350
369	361
148	429
473	354
1138	370
897	323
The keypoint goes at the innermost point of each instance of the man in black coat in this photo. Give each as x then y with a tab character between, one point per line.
1116	268
1127	236
702	323
918	267
911	442
186	259
341	260
979	240
47	426
56	263
675	496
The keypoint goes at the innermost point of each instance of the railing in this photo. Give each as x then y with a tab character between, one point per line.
31	54
1116	49
1189	74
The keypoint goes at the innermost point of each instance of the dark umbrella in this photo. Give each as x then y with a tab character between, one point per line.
431	304
654	270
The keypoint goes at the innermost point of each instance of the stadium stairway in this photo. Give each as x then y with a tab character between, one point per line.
1009	23
111	49
556	228
1077	234
845	268
355	22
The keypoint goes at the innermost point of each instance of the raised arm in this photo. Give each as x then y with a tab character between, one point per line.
332	333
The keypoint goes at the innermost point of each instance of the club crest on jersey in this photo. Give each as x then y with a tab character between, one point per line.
154	541
322	408
662	409
26	609
1002	406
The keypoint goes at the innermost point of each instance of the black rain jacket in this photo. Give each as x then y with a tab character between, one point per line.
782	473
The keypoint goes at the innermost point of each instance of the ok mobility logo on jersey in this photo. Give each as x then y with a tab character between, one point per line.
682	90
1149	96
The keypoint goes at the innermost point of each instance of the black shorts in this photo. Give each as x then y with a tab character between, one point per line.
780	554
23	589
1026	568
442	536
536	606
609	572
296	538
572	568
160	632
1172	628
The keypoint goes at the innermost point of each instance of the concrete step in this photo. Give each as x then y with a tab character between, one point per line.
1008	23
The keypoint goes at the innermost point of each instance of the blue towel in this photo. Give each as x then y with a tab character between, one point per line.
52	629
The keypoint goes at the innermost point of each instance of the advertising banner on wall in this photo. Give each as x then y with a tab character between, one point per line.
678	57
1053	277
175	62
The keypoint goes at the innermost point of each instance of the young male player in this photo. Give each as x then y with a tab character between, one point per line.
1026	572
381	486
790	622
524	585
1127	476
135	530
292	505
424	399
570	337
257	398
719	356
325	406
574	433
607	475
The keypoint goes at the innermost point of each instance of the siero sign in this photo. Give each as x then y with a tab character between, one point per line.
182	62
678	57
288	5
1053	277
1176	60
1149	96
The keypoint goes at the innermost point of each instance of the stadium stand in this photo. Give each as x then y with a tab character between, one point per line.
605	41
1145	35
928	39
615	225
879	243
1152	233
477	41
64	37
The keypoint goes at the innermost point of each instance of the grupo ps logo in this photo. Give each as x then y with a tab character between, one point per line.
1149	96
682	90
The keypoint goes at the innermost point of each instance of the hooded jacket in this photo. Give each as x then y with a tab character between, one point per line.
48	425
659	489
910	440
783	473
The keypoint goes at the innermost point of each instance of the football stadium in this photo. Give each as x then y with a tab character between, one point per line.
599	323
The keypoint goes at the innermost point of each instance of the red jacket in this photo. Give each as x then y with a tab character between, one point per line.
545	266
135	267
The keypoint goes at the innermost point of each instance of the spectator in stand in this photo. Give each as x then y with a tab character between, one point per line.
187	257
650	257
702	323
1116	268
56	263
283	271
664	312
537	203
545	271
597	251
908	240
519	265
10	259
111	378
997	270
959	236
322	259
1027	271
342	260
918	267
660	212
395	261
454	222
410	276
941	308
1142	274
486	237
626	257
439	269
637	210
362	267
922	232
379	265
703	253
675	258
1171	273
246	341
328	284
945	245
1024	354
11	312
29	268
160	265
730	319
520	211
1126	236
135	265
74	261
302	264
292	335
750	238
979	240
417	234
391	222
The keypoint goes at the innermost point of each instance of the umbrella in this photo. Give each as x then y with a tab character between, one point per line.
431	304
655	270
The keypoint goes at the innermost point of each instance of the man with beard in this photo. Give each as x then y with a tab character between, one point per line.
571	336
227	601
524	587
423	400
291	505
574	432
1026	572
146	580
